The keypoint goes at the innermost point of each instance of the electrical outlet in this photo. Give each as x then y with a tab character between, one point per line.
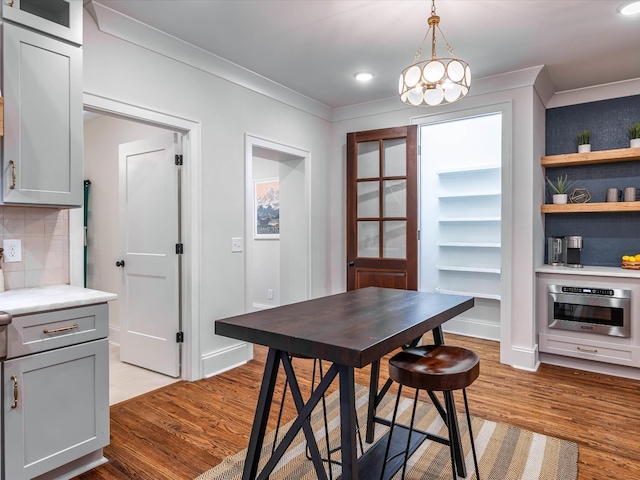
270	294
12	250
236	244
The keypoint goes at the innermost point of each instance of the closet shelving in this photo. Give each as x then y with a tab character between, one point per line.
469	232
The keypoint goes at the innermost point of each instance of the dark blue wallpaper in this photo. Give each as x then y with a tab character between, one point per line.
607	236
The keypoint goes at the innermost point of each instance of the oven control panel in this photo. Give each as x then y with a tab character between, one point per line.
588	291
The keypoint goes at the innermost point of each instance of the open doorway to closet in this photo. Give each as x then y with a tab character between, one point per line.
464	213
108	142
278	239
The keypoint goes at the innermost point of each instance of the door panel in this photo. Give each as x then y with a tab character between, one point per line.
382	220
149	231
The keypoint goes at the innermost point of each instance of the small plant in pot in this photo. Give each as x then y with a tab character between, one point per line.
584	141
560	189
634	135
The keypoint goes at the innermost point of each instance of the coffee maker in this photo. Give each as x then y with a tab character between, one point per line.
571	251
555	250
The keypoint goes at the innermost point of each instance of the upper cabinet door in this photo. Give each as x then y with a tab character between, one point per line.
60	18
42	154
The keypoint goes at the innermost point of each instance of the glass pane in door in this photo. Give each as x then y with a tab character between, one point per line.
368	160
395	239
395	157
368	199
395	198
369	239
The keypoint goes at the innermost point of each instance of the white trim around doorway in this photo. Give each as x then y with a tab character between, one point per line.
191	208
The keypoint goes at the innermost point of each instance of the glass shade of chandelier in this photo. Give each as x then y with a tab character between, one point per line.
438	81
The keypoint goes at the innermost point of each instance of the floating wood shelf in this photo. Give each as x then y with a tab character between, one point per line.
591	158
592	207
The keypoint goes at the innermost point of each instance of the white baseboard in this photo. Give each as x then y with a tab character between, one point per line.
525	358
473	328
114	335
262	306
223	360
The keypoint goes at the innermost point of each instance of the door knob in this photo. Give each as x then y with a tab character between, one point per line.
120	263
351	264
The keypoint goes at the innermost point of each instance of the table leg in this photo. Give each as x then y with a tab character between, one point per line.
373	401
348	423
262	415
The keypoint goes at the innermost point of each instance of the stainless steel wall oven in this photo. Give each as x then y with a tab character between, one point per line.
606	311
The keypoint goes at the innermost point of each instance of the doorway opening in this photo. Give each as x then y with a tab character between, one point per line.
189	183
464	231
278	259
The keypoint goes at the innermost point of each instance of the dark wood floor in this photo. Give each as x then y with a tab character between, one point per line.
184	429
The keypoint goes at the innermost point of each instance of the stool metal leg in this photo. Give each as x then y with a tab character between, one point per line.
413	418
450	413
473	447
393	422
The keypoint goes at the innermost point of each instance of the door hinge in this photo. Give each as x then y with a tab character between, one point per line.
179	248
178	159
180	337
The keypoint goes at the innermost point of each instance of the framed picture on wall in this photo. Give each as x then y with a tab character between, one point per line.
267	209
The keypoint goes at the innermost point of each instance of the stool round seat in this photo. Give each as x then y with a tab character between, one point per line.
435	368
439	368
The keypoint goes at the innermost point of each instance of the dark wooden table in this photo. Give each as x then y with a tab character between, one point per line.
352	330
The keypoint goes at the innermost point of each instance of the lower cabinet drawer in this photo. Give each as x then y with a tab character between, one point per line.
55	408
619	354
39	332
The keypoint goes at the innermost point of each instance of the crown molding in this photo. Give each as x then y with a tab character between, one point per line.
625	88
126	28
526	77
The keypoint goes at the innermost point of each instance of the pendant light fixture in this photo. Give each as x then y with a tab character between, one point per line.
438	81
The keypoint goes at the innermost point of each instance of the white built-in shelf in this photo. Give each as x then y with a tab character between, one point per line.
470	244
467	171
489	296
469	269
468	219
470	194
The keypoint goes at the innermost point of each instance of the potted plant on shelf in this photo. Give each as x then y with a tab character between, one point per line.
584	141
634	135
560	189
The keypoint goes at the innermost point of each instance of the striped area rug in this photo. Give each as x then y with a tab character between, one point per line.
504	452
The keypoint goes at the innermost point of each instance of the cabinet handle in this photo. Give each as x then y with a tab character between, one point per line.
13	174
61	329
15	391
587	350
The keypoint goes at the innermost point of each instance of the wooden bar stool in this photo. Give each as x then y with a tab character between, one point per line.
434	368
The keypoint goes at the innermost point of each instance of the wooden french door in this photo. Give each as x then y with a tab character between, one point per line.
382	208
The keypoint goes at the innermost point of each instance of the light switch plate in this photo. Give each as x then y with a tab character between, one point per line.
12	250
236	244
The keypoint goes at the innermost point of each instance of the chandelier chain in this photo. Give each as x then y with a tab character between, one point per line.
449	47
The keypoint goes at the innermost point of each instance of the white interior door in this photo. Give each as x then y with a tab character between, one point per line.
149	232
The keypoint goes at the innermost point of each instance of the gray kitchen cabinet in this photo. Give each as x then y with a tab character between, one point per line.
61	408
55	390
60	18
42	143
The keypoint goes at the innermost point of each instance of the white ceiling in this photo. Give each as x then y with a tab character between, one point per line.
315	46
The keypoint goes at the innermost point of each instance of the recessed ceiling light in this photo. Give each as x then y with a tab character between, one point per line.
363	76
629	8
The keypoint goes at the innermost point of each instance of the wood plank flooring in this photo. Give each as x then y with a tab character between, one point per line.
184	429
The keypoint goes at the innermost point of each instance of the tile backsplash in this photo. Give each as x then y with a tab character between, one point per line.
44	233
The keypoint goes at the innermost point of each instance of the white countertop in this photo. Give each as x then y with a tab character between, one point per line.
591	271
54	297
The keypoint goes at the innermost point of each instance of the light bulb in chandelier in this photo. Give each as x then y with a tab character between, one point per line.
438	81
